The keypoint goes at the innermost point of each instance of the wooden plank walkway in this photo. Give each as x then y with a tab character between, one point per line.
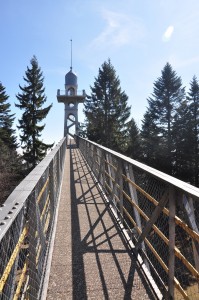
90	259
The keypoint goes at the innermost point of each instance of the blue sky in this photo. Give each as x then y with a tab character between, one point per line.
139	36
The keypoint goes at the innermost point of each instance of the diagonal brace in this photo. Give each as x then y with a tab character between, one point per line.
152	220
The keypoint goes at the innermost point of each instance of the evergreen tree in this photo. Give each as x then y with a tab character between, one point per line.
82	130
10	163
183	137
134	141
151	141
31	99
167	95
10	171
193	99
7	133
107	110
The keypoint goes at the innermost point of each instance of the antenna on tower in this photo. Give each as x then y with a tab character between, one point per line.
71	49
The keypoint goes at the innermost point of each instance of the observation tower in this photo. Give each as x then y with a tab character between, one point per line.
71	98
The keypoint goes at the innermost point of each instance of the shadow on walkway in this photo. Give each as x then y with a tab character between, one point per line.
102	265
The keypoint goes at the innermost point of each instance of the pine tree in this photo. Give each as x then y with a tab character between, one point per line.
134	141
193	99
31	100
107	110
167	95
10	162
183	137
11	171
151	141
7	133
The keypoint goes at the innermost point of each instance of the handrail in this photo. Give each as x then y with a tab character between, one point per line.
194	191
160	212
26	224
69	93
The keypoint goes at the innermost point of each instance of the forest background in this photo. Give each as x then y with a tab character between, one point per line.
168	139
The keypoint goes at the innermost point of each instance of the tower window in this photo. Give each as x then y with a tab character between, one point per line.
71	91
71	104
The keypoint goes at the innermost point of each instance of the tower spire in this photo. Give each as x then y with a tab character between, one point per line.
71	99
71	54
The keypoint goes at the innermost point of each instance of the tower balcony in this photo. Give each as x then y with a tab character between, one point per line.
65	96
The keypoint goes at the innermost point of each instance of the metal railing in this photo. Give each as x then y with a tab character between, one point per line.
71	93
160	213
26	225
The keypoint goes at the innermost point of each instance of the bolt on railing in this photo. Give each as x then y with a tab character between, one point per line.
160	213
26	225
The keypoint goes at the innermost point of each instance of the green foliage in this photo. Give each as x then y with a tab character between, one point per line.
10	163
31	100
167	96
183	137
6	120
82	130
151	141
107	110
134	141
11	172
193	100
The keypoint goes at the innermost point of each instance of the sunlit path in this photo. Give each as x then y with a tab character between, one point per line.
90	223
91	259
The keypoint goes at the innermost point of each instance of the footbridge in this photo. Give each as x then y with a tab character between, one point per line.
90	223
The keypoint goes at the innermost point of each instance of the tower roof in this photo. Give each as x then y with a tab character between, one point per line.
70	78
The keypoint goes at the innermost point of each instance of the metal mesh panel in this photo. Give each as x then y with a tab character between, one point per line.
26	225
161	215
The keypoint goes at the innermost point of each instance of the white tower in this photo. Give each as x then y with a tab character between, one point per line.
71	99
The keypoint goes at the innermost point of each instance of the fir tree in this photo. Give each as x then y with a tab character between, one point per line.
11	172
31	99
193	99
134	141
7	133
10	162
151	141
168	94
107	110
183	137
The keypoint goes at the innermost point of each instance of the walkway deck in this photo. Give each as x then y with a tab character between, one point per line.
91	259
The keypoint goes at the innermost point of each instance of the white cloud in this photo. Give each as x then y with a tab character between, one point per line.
120	30
168	33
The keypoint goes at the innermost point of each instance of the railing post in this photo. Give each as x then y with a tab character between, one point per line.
101	161
15	238
53	196
111	173
133	193
120	193
92	159
108	159
172	212
134	197
58	167
118	181
33	240
95	166
189	208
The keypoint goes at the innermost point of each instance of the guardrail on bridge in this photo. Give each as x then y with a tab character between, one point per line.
161	214
26	224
